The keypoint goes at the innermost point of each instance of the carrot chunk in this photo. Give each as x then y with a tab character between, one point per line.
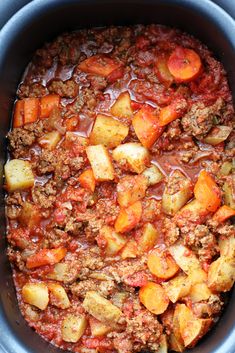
31	109
184	64
72	123
128	217
146	125
207	192
154	298
162	264
172	111
47	104
99	65
223	213
46	257
87	180
18	120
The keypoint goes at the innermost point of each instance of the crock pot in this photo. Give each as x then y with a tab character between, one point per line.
40	21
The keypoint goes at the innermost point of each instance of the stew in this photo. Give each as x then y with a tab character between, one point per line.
121	190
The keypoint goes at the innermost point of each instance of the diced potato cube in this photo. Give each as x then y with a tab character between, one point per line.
130	189
98	328
177	287
73	137
50	140
122	106
199	292
30	215
36	294
191	328
229	191
60	272
218	134
227	246
153	174
100	163
174	344
111	240
221	274
177	192
148	238
108	131
130	250
119	298
101	308
132	156
176	340
58	296
188	262
163	347
19	175
73	327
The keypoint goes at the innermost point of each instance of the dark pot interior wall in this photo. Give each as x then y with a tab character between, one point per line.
27	31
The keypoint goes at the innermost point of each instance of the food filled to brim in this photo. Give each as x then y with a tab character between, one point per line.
121	190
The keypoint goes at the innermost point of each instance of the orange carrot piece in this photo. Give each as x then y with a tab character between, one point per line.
154	298
162	264
99	65
146	126
87	180
223	213
31	110
46	257
172	111
207	192
128	217
47	104
184	64
18	119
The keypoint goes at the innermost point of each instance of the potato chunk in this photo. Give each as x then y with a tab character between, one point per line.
132	156
199	292
148	238
58	296
98	328
153	174
221	274
130	189
73	327
177	192
122	106
108	131
177	287
30	215
227	246
191	328
19	175
50	140
36	294
101	308
111	240
100	163
188	262
163	347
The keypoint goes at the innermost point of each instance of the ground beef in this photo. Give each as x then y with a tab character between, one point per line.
45	196
104	287
34	90
199	119
171	231
67	89
14	203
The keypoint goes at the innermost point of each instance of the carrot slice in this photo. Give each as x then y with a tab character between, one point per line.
18	120
184	64
207	192
46	257
99	65
172	111
154	298
128	217
87	180
31	110
162	264
47	104
146	126
223	213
